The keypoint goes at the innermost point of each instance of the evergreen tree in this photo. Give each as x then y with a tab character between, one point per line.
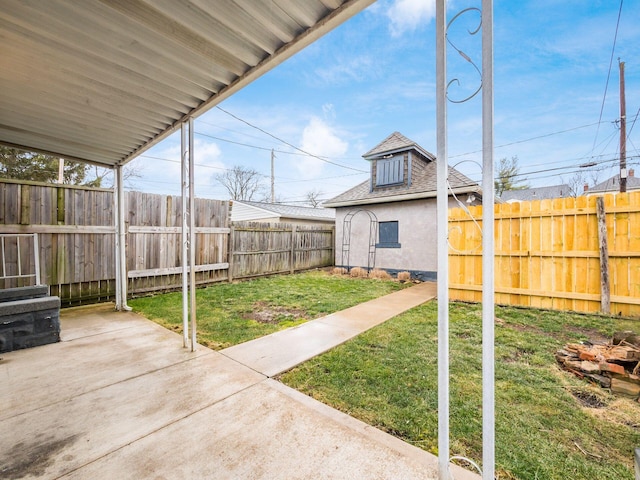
37	167
506	176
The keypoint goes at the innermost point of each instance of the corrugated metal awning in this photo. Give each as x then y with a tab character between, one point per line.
103	80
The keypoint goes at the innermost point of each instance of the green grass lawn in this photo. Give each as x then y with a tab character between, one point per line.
387	377
228	314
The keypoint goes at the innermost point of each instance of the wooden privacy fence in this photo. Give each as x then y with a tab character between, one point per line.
75	228
76	233
548	254
263	249
154	243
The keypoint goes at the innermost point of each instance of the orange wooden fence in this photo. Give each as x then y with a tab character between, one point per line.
547	254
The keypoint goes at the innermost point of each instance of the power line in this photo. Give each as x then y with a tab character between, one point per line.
280	180
632	125
325	178
529	139
178	161
573	160
233	142
286	152
606	87
203	122
290	144
256	147
602	164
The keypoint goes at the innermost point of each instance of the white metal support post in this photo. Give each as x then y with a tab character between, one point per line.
36	258
116	224
188	235
442	244
488	249
192	237
488	305
184	259
121	239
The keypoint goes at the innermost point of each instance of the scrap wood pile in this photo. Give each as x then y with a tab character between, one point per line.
615	365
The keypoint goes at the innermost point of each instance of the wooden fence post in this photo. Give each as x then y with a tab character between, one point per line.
293	248
25	205
230	253
605	299
60	205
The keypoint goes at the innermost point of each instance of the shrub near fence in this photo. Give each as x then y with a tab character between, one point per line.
547	254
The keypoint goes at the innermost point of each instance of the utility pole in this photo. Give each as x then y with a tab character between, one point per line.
273	190
623	132
61	171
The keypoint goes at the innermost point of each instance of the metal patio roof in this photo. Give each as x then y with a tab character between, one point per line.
103	80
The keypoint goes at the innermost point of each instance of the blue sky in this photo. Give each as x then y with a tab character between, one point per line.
375	74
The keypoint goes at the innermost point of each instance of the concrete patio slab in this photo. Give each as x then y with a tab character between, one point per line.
282	435
120	398
88	320
283	350
91	425
57	372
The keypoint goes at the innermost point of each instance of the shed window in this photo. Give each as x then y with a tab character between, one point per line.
388	235
390	171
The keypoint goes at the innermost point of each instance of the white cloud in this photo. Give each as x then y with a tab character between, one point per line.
346	70
407	15
319	139
329	111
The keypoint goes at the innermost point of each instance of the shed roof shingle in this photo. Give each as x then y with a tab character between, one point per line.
423	185
423	178
293	211
394	142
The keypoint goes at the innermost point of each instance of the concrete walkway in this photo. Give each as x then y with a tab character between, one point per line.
283	350
120	398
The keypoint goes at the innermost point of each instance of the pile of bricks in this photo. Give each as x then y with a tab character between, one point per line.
615	365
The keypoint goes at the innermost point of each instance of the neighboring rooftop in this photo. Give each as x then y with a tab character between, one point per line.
613	184
291	211
536	193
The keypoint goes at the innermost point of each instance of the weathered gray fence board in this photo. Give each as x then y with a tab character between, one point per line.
77	234
263	249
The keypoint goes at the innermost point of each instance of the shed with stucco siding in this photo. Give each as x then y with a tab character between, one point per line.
400	195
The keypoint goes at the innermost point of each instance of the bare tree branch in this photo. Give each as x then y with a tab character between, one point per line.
103	177
241	183
313	197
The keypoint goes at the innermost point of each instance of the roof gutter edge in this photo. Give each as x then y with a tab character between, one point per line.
401	198
325	25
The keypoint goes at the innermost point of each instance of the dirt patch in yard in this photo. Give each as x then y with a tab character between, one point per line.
588	399
592	334
265	313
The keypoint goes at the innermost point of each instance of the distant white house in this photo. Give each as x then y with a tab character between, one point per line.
536	193
245	211
612	185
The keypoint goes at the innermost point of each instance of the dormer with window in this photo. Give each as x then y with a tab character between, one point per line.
389	170
393	162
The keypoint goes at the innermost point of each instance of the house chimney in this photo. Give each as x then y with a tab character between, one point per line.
631	172
586	187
